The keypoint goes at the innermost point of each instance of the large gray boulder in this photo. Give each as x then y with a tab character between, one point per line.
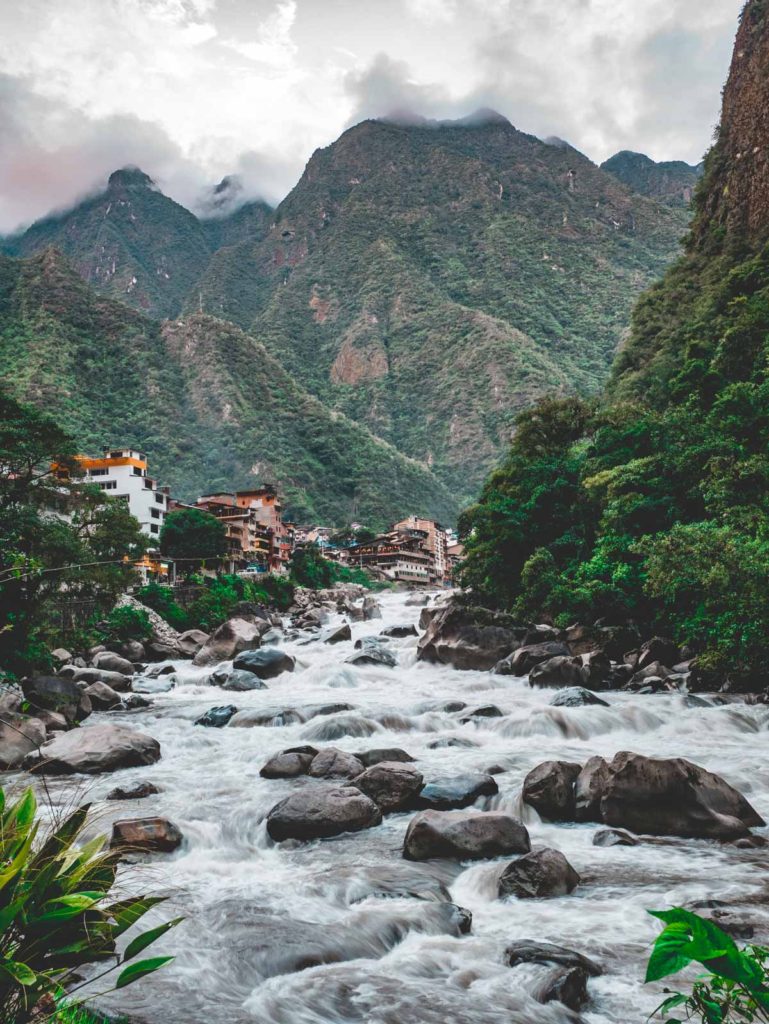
377	754
111	662
288	764
561	670
266	663
232	637
539	874
549	789
372	652
567	980
102	697
334	764
116	680
673	797
192	641
371	609
392	785
588	789
94	749
318	812
19	736
464	835
576	697
468	638
236	680
456	792
337	634
54	693
217	718
523	659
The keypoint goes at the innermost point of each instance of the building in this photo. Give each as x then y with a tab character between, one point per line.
454	554
400	556
122	473
436	542
265	504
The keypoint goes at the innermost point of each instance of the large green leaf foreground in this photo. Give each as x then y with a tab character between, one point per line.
56	914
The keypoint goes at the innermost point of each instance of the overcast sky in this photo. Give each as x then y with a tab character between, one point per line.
191	90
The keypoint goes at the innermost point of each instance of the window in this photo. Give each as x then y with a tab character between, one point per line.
155	513
98	472
137	471
154	528
109	485
160	498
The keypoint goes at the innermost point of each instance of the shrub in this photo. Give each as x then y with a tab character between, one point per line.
735	987
56	914
161	600
126	623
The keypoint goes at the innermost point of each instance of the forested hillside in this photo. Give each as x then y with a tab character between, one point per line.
654	503
208	404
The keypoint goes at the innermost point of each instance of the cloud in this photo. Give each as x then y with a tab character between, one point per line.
193	90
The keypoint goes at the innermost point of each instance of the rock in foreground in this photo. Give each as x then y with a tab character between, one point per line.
465	835
539	874
318	812
90	750
146	835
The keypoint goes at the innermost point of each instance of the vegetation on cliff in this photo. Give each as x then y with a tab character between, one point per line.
654	504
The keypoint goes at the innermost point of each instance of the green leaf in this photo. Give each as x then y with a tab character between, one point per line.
669	954
127	912
19	972
141	969
142	941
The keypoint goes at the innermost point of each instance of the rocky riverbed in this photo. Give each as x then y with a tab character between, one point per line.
346	929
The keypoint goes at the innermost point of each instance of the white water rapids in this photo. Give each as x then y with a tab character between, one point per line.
255	911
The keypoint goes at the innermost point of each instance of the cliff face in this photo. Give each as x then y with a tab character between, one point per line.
670	181
735	195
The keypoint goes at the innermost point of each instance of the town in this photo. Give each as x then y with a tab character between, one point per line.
415	551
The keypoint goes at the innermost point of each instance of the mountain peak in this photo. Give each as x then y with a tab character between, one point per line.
482	117
130	177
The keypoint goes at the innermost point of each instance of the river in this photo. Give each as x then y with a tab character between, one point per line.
251	906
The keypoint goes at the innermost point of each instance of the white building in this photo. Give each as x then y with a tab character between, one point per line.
122	473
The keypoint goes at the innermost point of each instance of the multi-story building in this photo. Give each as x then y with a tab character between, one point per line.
122	473
398	555
435	542
267	509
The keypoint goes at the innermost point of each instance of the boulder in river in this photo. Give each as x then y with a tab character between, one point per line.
659	649
102	697
331	763
576	697
530	951
468	638
371	609
288	764
372	653
456	792
396	632
541	873
266	664
673	796
111	662
392	785
588	789
191	641
549	789
378	754
138	791
94	749
464	835
218	717
236	680
566	982
54	693
19	736
318	812
614	837
524	659
562	670
484	711
117	680
337	634
145	835
232	637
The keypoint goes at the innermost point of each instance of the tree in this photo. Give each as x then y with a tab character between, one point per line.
56	535
193	536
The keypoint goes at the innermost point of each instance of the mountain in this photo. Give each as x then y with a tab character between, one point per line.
652	507
209	405
669	181
134	244
431	279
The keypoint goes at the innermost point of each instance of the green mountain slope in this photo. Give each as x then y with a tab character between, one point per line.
432	280
134	244
654	506
670	181
207	403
